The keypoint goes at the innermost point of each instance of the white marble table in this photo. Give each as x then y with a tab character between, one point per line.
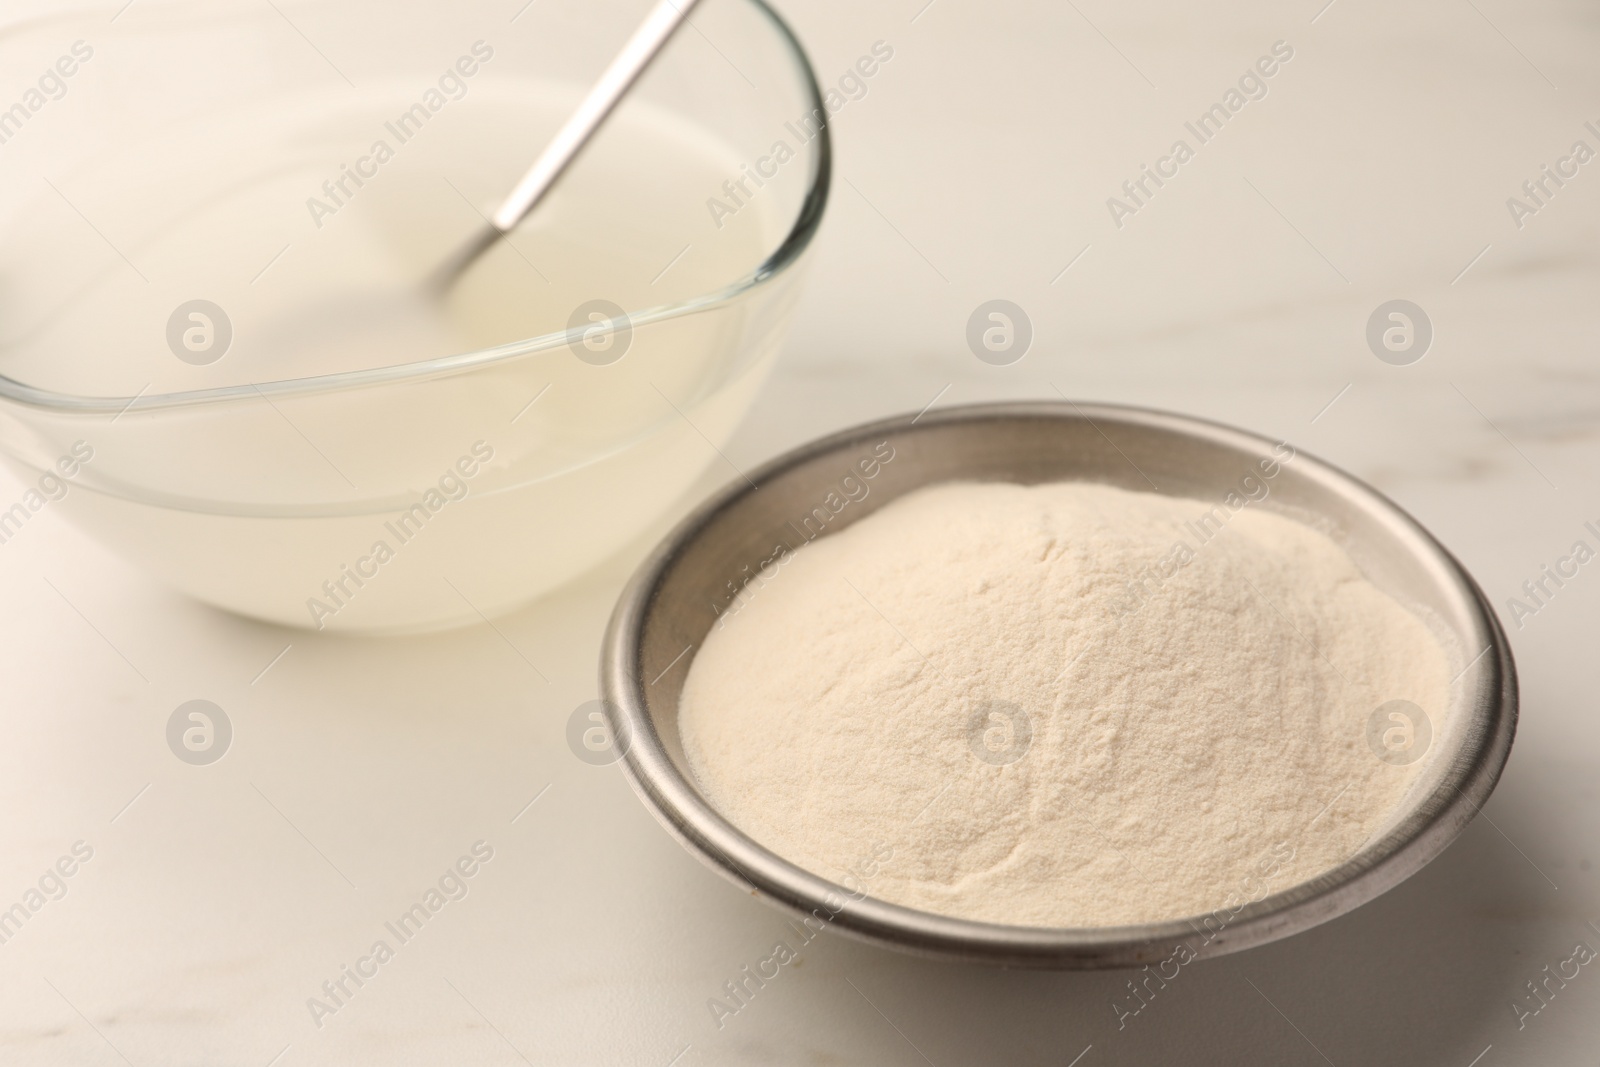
218	899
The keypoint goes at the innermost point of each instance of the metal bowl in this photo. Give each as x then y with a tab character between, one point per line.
673	600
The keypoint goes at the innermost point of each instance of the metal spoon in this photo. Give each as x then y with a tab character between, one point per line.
618	78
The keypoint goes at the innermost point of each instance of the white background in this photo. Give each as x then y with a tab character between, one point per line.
977	166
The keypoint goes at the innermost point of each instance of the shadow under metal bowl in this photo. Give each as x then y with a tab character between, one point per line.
674	599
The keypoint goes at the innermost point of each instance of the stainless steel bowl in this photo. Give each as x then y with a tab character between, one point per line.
671	603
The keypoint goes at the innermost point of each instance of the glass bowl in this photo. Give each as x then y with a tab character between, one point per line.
214	354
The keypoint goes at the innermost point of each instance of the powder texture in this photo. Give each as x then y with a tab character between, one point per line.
1060	705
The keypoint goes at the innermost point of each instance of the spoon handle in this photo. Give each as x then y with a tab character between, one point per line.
624	70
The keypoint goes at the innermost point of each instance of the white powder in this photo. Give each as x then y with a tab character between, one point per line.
1185	747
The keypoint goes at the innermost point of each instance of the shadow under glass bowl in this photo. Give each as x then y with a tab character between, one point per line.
262	473
672	602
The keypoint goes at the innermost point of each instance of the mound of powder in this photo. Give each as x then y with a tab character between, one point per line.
1061	705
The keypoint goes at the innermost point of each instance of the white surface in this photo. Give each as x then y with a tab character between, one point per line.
225	895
